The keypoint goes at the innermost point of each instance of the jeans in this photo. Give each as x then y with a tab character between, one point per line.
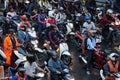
20	50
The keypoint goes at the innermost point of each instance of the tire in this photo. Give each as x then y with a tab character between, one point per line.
66	60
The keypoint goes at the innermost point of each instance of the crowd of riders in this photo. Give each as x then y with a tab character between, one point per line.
48	18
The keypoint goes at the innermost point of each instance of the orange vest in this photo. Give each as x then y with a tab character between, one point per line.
7	45
113	68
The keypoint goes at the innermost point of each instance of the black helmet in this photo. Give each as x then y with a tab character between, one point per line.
53	26
21	71
30	58
11	30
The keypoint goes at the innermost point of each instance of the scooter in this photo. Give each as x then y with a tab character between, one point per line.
64	53
74	37
18	60
97	55
40	54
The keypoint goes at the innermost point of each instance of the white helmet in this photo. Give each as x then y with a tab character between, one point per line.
113	56
51	14
98	9
109	11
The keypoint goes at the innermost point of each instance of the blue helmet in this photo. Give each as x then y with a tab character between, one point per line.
87	17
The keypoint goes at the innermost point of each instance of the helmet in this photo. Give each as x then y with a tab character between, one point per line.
61	8
23	17
87	17
109	11
51	14
54	53
53	26
98	9
11	30
113	56
30	58
21	71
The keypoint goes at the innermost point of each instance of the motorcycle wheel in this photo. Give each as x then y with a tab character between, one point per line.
66	59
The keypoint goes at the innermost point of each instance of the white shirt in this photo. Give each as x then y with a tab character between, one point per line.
87	26
30	68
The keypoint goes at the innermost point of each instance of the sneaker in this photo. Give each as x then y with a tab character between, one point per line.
88	72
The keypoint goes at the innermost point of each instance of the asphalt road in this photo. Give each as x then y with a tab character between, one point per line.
77	68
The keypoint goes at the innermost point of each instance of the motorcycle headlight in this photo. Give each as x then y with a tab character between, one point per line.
24	58
41	75
27	2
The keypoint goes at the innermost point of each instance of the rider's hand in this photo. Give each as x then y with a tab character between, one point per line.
56	46
111	74
58	72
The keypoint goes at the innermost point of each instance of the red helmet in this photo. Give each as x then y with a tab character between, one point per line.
23	17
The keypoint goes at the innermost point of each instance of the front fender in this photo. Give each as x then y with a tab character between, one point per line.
66	53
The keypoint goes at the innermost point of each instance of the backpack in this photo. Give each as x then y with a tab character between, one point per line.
85	42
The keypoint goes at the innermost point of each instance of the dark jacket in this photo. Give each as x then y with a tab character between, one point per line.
54	37
56	65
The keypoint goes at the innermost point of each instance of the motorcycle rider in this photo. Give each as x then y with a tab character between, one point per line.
60	18
55	37
88	25
107	18
42	22
20	75
10	44
11	13
56	66
33	5
25	21
90	43
112	67
31	67
23	37
51	17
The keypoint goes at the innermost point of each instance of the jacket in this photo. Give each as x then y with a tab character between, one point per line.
8	46
23	37
51	21
56	65
106	20
54	37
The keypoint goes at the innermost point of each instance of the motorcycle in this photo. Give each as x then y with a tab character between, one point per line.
74	37
112	35
98	55
64	53
40	54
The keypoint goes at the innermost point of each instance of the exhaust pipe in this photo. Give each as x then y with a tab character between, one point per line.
84	60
